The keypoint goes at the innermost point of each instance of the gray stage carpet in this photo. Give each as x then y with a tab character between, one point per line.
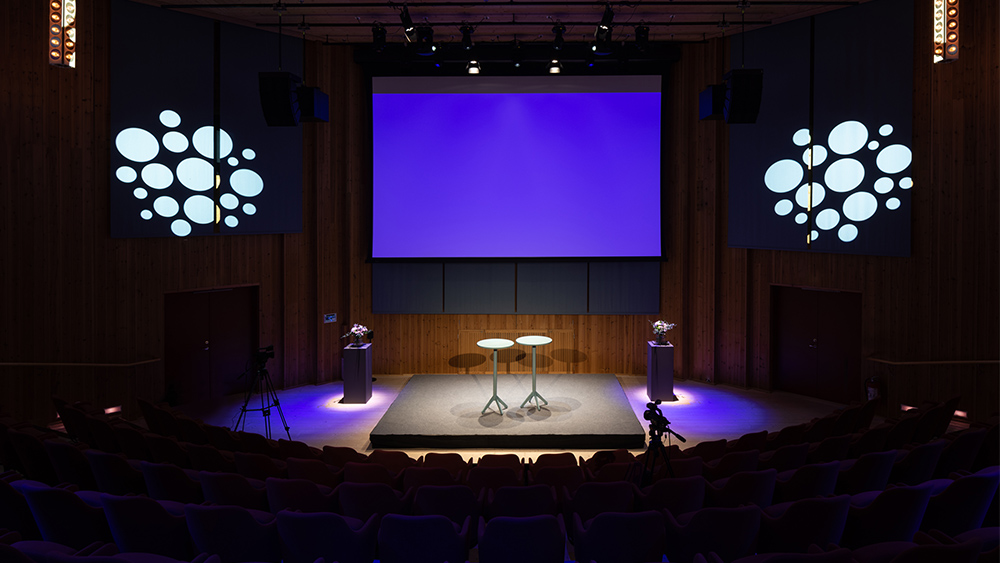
585	411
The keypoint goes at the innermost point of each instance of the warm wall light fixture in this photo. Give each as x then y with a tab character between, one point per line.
946	33
62	33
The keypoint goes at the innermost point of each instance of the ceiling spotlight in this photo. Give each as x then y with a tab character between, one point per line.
603	31
408	29
558	42
303	27
517	57
466	37
425	40
473	67
642	36
378	37
555	67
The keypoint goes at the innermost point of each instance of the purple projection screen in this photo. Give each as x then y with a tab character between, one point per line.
516	167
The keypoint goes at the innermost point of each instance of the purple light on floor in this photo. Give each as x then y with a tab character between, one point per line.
380	399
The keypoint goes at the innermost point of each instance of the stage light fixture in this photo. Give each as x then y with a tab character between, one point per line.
473	67
517	57
409	30
425	40
557	43
603	32
555	67
642	36
466	37
378	37
946	31
62	33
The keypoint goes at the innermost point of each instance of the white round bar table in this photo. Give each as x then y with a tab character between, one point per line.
534	341
495	344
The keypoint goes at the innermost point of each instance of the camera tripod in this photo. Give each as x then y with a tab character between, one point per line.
260	383
658	426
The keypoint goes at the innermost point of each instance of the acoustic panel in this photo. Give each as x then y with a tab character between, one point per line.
479	288
552	288
624	288
402	287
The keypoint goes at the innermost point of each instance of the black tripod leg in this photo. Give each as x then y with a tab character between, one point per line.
274	400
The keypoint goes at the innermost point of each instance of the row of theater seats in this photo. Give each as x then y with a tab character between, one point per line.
54	460
528	529
308	489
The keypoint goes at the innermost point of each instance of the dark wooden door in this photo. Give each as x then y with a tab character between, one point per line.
209	338
817	343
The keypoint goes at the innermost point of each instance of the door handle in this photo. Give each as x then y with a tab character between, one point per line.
206	345
814	344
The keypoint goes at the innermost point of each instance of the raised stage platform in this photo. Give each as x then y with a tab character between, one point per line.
585	411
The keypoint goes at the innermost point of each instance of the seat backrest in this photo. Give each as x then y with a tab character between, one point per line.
420	539
232	533
504	538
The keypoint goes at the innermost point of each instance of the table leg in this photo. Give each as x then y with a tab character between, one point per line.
495	397
534	392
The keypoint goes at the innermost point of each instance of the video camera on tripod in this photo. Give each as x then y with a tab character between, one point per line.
262	355
658	426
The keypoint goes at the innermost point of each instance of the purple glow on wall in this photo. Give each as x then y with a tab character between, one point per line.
573	172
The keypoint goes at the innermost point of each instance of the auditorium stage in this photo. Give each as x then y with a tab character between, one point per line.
584	411
704	412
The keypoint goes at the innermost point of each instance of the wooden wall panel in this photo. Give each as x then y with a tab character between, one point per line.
73	294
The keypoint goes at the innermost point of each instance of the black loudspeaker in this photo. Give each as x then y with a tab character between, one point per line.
279	98
314	104
743	91
711	101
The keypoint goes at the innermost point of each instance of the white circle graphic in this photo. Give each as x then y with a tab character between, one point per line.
126	174
233	161
860	206
815	234
170	118
196	174
885	130
146	214
894	158
848	137
827	219
873	146
249	208
906	183
165	206
199	209
249	154
229	201
892	203
802	195
801	218
783	176
883	185
204	142
783	207
137	145
140	193
157	176
232	221
847	233
246	182
819	155
801	137
180	227
175	142
844	175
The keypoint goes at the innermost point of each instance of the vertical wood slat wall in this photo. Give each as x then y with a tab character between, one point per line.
70	293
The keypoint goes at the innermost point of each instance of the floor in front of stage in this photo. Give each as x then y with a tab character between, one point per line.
315	415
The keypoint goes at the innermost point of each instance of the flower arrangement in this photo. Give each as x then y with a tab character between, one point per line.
358	332
660	329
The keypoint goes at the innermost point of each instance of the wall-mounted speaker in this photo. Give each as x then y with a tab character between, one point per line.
279	98
314	105
711	101
743	92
